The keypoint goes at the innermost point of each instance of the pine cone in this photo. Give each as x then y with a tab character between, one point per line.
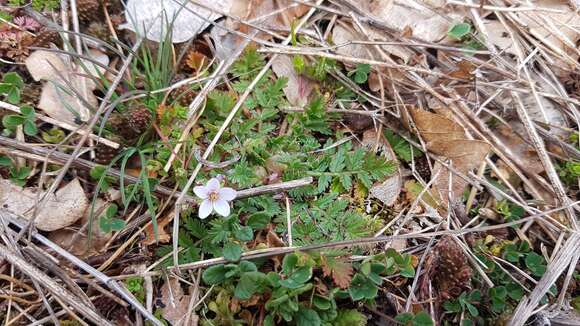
183	95
139	119
100	31
89	10
31	93
131	124
572	84
452	271
45	37
104	154
422	167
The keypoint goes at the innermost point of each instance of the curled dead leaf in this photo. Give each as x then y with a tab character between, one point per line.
60	210
259	13
68	90
162	234
446	138
175	302
389	189
77	242
299	87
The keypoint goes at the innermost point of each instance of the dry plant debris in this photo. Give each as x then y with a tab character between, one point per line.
383	161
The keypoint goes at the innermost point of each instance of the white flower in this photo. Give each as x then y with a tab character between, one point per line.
214	198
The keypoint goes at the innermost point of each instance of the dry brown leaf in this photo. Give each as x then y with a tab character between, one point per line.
340	271
549	112
175	302
406	17
78	243
464	70
57	99
196	61
446	138
388	190
162	234
259	12
299	87
412	191
61	209
522	150
558	30
341	35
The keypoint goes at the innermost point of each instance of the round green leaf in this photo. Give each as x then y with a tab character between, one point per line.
13	96
289	263
308	317
472	309
321	303
245	233
27	111
11	121
458	31
30	128
249	284
298	278
232	251
422	319
5	161
214	275
117	224
14	79
362	288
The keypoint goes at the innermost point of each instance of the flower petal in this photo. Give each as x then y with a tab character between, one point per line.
205	209
222	207
213	185
227	193
201	192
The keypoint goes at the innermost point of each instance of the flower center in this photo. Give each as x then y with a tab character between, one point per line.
213	196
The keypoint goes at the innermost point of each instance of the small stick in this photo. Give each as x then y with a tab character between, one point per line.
63	125
51	285
80	264
288	221
30	151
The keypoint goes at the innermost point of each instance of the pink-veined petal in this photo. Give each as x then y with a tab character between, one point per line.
201	192
228	194
205	208
221	207
213	185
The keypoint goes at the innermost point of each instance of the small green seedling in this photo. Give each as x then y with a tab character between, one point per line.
510	211
17	175
498	296
53	136
459	31
11	87
361	73
108	222
45	5
513	252
232	251
536	264
25	119
465	303
135	286
420	319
